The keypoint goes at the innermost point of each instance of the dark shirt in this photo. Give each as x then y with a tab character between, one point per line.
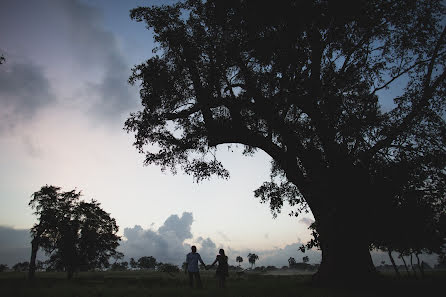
222	265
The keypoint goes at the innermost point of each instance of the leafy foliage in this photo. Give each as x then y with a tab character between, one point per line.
310	83
74	234
252	258
168	268
119	266
239	260
146	262
21	266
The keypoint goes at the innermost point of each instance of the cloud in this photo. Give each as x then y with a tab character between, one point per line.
23	90
95	46
223	236
306	221
15	246
165	244
70	43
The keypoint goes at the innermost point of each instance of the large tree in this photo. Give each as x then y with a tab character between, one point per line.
311	83
76	235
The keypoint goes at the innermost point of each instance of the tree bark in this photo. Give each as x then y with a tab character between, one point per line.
420	265
389	252
411	264
32	261
344	255
405	265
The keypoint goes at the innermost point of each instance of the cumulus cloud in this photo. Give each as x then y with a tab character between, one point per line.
165	244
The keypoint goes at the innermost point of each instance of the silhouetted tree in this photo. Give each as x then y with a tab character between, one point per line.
75	234
305	259
168	268
3	267
147	262
119	266
292	262
301	81
133	263
252	259
2	59
239	260
21	266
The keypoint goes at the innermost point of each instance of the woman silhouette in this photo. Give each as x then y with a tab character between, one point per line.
222	268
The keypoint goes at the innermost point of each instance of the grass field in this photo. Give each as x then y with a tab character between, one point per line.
146	284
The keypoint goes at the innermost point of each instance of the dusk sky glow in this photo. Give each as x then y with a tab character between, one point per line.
64	98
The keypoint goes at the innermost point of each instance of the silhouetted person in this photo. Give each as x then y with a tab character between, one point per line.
192	267
222	268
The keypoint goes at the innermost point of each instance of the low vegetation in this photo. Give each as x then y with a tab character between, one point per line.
251	283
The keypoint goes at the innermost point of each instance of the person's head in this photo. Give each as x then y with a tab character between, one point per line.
221	252
193	248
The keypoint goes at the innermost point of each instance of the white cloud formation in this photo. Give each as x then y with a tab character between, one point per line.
165	244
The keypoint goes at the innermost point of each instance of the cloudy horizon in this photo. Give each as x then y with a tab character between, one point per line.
172	241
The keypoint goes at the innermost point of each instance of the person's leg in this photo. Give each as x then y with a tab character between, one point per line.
223	280
191	279
198	280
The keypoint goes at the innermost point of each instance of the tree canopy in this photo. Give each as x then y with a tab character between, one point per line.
347	97
76	235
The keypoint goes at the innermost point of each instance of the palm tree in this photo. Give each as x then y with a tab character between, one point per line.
239	260
252	259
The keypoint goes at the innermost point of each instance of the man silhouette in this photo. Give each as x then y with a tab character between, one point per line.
192	267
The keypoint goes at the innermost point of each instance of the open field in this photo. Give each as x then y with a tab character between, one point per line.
145	284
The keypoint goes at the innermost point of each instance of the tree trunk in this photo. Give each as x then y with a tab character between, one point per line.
32	261
411	264
393	263
420	266
405	265
70	273
344	255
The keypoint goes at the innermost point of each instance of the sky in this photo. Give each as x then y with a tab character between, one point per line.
64	98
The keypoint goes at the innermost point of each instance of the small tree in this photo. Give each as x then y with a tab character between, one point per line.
133	263
119	266
3	267
168	268
291	262
76	235
147	262
21	266
252	259
239	260
305	259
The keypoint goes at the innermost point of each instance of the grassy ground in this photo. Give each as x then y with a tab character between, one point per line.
146	284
